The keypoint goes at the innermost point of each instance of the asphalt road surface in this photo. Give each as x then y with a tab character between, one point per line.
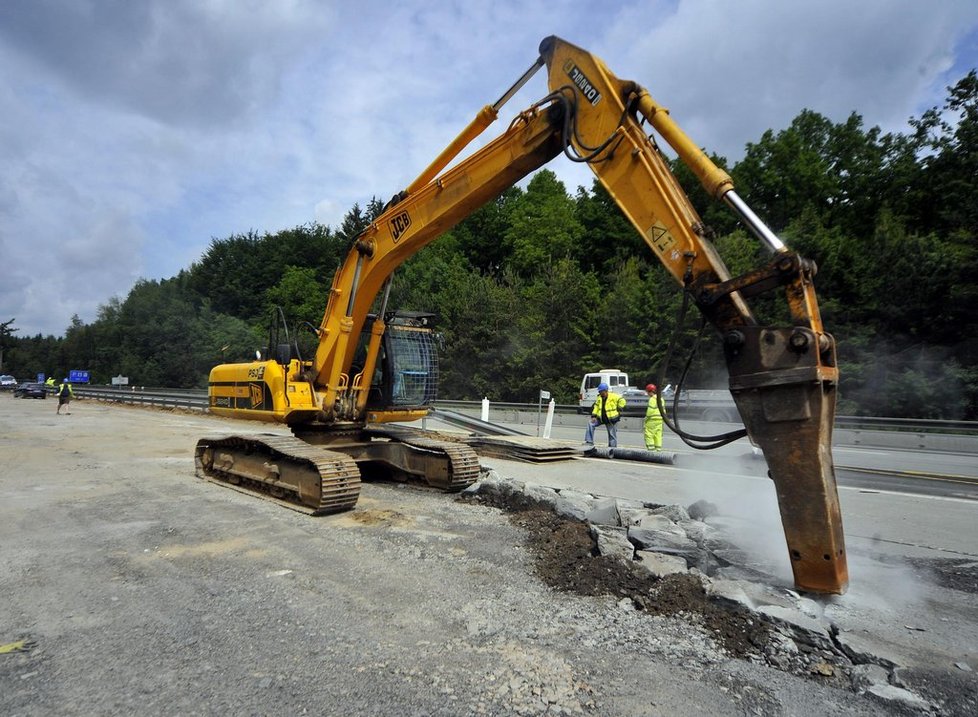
131	587
903	470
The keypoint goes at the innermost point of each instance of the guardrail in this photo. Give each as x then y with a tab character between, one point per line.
851	422
926	425
193	399
196	399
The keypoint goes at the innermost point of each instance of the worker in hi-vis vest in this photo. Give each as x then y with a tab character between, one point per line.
606	410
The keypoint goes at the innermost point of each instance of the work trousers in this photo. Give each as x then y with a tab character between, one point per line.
612	432
653	434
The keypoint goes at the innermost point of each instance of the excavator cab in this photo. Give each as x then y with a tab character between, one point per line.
406	374
280	347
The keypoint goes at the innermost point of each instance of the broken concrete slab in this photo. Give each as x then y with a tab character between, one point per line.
659	564
697	530
755	594
491	483
892	693
661	523
702	509
861	647
604	512
866	675
730	591
631	516
542	495
572	504
675	513
804	628
656	539
613	542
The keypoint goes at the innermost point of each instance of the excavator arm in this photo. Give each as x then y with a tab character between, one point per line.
782	378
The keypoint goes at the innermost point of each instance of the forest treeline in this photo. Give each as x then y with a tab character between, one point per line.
540	285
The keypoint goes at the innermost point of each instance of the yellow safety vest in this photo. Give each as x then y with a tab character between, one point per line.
612	407
652	412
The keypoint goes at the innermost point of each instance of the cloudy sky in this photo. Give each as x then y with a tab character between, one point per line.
133	132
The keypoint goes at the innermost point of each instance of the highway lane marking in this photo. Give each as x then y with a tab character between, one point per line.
902	494
857	489
946	477
922	475
877	539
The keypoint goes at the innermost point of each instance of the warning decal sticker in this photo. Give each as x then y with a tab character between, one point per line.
660	238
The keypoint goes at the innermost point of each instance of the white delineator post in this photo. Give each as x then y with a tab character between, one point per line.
550	419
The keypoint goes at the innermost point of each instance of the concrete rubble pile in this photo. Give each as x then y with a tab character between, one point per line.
664	540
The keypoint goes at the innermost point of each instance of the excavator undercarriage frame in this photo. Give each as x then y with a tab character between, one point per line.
319	471
401	453
282	469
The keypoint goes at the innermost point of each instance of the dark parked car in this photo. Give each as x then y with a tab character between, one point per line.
30	390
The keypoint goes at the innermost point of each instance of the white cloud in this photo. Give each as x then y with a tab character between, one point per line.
183	62
135	133
728	71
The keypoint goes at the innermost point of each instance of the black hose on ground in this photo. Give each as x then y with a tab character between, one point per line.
632	454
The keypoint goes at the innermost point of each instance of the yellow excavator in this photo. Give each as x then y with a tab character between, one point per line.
373	367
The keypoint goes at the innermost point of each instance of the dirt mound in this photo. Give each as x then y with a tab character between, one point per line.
566	559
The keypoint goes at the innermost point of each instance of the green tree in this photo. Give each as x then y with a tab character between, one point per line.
839	171
786	171
300	295
6	332
542	226
551	332
354	222
235	273
225	339
608	238
624	322
480	236
947	138
476	321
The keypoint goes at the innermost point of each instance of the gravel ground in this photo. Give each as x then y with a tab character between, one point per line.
130	586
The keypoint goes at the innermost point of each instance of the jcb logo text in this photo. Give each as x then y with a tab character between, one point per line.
399	225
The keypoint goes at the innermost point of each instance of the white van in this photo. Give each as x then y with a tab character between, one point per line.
617	383
7	381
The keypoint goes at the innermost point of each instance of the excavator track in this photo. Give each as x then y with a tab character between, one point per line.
283	469
442	464
463	461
